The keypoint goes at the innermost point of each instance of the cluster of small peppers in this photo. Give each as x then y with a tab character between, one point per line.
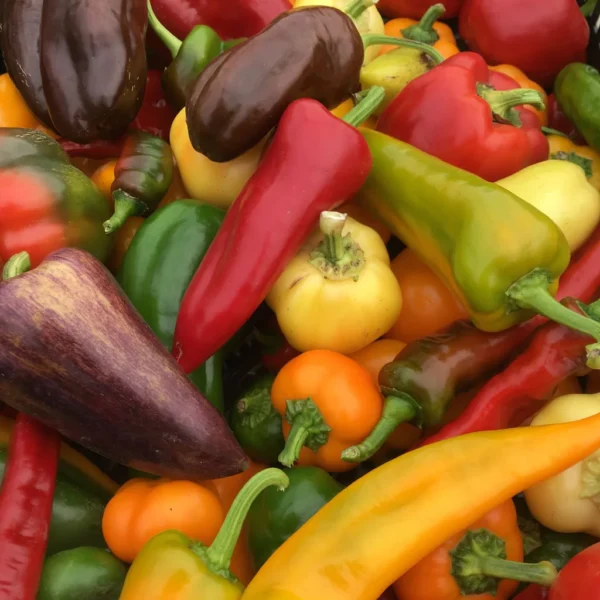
213	192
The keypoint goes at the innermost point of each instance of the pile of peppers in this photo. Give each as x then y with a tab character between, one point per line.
364	235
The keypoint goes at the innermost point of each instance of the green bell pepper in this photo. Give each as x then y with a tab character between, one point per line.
577	91
158	267
256	424
559	548
273	517
82	574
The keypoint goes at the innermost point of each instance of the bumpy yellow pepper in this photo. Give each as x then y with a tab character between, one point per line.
562	148
339	292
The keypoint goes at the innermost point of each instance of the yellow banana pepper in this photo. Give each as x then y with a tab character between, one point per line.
339	292
562	148
560	190
172	567
390	519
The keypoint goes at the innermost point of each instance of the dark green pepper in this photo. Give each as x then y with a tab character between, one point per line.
256	424
577	91
76	514
559	548
274	516
82	574
158	267
143	175
190	57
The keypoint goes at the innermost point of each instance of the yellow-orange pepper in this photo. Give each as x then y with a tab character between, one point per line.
587	158
383	524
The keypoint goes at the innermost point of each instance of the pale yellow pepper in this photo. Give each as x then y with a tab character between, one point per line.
339	292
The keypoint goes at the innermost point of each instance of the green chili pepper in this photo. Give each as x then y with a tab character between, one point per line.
256	424
158	267
190	57
82	574
274	517
577	91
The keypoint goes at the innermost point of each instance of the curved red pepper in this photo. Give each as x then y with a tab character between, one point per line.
557	120
415	9
26	506
314	163
443	114
239	18
579	579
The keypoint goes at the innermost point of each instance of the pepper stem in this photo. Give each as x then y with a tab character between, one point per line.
479	563
396	410
172	43
368	102
16	265
576	159
531	292
373	39
503	102
338	257
423	31
308	429
588	8
550	131
358	7
218	554
125	206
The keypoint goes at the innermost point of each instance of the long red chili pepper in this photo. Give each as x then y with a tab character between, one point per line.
554	353
314	163
26	506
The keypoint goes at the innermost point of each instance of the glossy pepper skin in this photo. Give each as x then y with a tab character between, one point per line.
274	517
525	34
415	9
446	113
93	66
14	111
577	91
558	121
260	234
419	498
580	578
84	573
158	267
311	52
46	203
241	18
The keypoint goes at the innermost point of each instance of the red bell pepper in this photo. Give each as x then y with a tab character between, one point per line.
533	592
539	37
239	18
579	579
415	9
446	113
314	163
557	120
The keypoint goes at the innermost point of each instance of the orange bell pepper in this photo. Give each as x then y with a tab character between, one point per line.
471	563
427	306
427	30
328	402
526	83
562	148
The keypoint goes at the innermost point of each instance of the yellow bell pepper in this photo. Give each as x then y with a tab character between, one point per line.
218	184
173	567
339	292
570	501
391	518
563	148
560	190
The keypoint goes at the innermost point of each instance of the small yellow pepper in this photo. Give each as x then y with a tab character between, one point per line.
339	292
562	148
394	516
171	566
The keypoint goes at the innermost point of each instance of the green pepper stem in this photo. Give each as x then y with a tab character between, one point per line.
367	104
358	7
576	159
588	8
16	265
125	206
503	102
219	553
172	43
396	410
543	573
550	131
372	39
295	442
423	31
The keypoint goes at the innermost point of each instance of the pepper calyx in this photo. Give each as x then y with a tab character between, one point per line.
576	159
255	406
503	103
423	31
16	265
125	206
590	480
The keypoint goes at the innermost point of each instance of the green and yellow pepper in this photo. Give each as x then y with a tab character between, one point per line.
562	148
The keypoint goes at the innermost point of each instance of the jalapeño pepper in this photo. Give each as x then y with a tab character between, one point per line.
159	265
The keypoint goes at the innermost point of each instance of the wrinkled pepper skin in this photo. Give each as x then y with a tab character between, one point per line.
158	267
311	52
478	237
577	91
46	203
274	517
93	64
82	574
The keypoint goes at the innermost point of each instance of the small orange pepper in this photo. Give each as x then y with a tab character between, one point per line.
481	563
341	110
427	306
363	216
123	238
526	83
328	402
